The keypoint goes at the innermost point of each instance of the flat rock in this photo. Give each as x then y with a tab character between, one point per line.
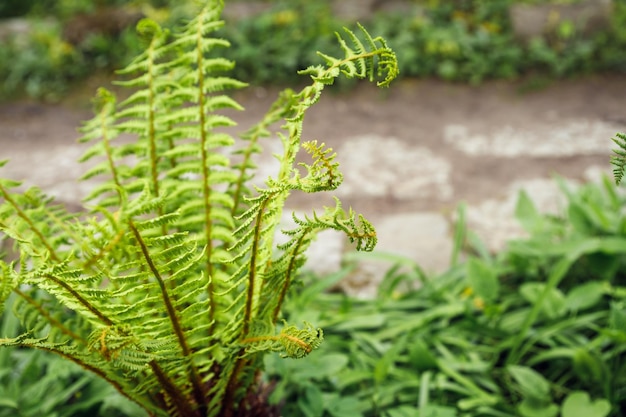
422	237
409	155
535	20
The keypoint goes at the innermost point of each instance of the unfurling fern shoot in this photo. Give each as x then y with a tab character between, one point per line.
169	285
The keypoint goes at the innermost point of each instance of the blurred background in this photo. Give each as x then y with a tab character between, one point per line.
495	97
46	46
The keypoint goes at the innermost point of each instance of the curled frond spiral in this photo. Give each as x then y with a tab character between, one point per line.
372	59
323	173
292	341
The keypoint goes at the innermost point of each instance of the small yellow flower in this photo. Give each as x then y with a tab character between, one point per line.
490	27
467	292
285	17
461	16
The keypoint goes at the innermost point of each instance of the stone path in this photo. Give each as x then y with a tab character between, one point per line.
409	155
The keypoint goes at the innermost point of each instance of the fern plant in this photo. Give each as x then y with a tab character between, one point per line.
618	159
169	285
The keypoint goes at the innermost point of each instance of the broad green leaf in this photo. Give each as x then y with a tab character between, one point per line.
371	321
589	368
483	279
617	319
8	403
584	296
402	411
421	357
112	403
532	408
437	411
321	366
338	406
579	220
349	377
551	355
603	266
312	402
554	303
527	214
578	404
530	382
387	362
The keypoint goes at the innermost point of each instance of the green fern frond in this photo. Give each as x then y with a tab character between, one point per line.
619	158
170	285
283	269
291	341
323	174
372	60
8	282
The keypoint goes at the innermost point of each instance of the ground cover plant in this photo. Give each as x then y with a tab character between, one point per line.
35	383
66	41
538	329
460	41
169	285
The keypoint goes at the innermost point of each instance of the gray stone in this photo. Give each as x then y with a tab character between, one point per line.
421	237
235	10
12	28
353	9
540	139
379	166
533	20
362	9
325	254
18	30
494	221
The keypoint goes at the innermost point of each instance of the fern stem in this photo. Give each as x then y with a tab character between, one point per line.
241	177
287	281
45	315
177	397
171	313
277	111
30	223
206	172
80	299
98	371
232	386
151	121
252	272
109	151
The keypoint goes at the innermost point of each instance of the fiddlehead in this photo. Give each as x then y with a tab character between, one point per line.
373	60
292	342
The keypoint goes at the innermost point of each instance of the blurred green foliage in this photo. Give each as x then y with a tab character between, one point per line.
42	63
272	46
466	41
456	40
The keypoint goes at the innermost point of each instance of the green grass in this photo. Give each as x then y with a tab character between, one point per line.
536	330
